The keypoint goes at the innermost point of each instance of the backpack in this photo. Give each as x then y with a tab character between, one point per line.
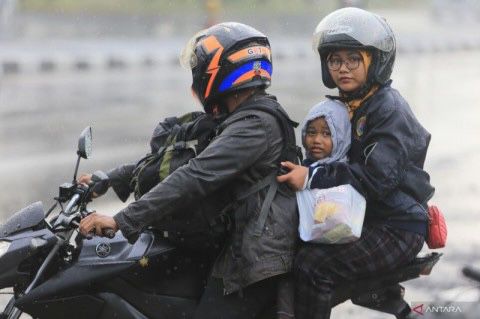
174	142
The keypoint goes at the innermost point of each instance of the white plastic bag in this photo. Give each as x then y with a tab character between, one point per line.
331	216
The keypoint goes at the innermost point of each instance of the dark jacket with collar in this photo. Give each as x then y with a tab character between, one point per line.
247	150
386	161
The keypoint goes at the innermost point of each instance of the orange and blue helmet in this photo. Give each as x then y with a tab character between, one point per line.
226	58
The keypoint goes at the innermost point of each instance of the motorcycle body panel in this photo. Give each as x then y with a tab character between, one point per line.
154	306
117	249
100	259
116	285
107	305
22	246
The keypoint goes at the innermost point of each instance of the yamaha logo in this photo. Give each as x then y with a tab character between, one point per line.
103	250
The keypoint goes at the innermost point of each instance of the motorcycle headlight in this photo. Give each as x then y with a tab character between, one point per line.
4	247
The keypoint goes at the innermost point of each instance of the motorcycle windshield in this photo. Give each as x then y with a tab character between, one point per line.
27	217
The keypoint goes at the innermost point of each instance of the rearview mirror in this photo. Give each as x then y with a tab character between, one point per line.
85	143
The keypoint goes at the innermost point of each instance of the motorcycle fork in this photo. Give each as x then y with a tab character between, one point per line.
10	310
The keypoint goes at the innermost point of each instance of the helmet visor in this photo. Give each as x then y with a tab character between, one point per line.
188	58
356	24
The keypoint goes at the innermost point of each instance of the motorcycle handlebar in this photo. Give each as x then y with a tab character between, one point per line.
109	233
99	183
73	201
67	216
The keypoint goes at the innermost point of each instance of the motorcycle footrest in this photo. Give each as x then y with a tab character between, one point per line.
388	300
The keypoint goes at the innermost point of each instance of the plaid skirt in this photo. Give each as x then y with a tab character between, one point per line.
319	268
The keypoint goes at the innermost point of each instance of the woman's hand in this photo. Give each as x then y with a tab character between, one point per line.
296	176
97	223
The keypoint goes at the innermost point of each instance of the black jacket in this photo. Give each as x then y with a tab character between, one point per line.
386	161
247	150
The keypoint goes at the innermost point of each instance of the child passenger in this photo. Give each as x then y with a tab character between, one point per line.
387	153
326	134
326	138
334	215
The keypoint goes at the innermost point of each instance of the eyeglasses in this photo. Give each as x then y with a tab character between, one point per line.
352	63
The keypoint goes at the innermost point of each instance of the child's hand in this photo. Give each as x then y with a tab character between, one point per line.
296	177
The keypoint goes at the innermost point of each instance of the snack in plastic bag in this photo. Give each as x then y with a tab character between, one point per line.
324	210
331	216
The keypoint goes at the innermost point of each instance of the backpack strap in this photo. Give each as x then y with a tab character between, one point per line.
171	121
182	145
255	188
267	203
179	134
290	152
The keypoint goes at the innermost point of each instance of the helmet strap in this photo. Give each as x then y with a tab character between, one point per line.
219	109
356	95
354	103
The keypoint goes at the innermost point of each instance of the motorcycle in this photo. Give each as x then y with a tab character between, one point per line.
56	272
53	269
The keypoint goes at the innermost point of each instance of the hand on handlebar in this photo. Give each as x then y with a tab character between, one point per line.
85	179
101	225
98	181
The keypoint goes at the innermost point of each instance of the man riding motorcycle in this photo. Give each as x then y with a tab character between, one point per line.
231	67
